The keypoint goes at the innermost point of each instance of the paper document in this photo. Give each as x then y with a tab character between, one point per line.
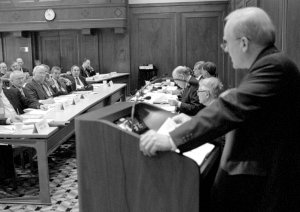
200	153
168	126
31	116
33	121
36	112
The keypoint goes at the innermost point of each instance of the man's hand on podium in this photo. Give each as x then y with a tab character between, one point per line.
151	142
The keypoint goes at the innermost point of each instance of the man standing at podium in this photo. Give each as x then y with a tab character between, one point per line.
260	164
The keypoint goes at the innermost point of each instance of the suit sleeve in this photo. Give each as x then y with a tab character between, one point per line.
256	93
30	92
193	106
27	102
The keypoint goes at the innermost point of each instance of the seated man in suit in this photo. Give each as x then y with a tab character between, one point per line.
17	82
209	90
60	84
86	70
37	89
189	103
51	83
78	82
15	66
12	103
21	63
198	70
209	69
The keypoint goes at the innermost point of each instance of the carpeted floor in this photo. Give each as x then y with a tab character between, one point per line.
63	183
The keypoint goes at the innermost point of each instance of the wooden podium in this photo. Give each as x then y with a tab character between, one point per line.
114	175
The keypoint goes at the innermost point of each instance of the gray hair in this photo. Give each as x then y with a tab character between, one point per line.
253	23
181	70
14	74
37	68
214	85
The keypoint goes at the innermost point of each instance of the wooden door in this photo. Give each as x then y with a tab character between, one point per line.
201	35
59	48
69	54
49	52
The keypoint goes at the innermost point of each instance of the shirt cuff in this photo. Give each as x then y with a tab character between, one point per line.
173	146
179	104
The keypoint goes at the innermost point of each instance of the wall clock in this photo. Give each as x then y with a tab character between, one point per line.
49	14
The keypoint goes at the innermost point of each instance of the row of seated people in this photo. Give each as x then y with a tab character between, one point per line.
188	82
86	70
37	92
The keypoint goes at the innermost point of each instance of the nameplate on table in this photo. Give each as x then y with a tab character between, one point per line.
41	127
111	83
76	99
66	104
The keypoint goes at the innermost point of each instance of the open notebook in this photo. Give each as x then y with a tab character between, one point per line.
198	154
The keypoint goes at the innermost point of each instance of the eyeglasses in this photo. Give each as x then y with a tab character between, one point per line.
202	91
224	44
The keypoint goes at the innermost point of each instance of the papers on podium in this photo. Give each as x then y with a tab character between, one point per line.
198	154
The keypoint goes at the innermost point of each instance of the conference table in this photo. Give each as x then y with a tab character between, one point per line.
47	142
115	77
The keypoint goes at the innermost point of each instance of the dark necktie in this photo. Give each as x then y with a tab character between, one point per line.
48	92
77	81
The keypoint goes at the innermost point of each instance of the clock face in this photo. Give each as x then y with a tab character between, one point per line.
49	14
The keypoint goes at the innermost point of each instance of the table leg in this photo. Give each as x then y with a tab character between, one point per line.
41	148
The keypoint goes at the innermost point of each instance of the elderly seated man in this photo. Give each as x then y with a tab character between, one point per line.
189	102
59	84
209	90
21	63
198	70
37	89
86	70
78	82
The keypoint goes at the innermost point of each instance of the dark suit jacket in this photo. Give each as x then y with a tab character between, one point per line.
90	72
3	121
261	117
61	85
190	104
35	91
18	101
73	85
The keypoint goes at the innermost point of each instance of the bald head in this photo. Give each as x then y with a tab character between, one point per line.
253	23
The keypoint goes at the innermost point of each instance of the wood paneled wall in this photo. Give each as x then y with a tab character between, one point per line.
168	35
16	45
107	50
